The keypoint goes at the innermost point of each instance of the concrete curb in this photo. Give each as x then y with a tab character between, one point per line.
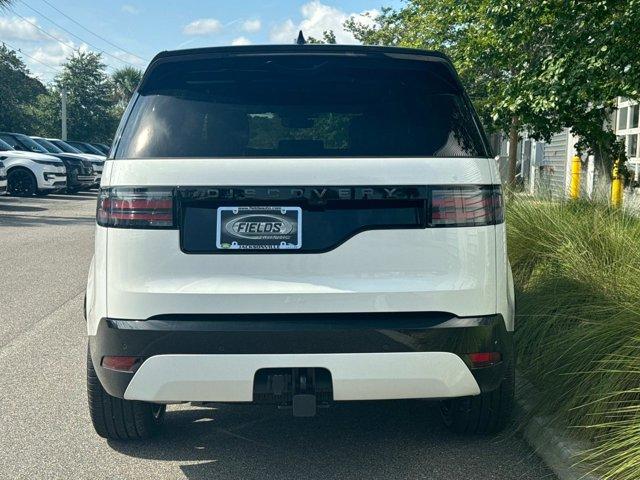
552	444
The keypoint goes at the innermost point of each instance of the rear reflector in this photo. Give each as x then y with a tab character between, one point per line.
135	208
484	359
121	364
466	206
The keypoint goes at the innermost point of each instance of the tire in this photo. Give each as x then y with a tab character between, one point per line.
118	419
21	183
486	413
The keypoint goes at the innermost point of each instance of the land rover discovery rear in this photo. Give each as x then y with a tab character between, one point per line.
299	225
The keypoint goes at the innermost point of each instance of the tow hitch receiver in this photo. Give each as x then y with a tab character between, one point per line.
304	390
304	405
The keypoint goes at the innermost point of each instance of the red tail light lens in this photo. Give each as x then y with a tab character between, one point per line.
485	359
135	208
466	206
121	364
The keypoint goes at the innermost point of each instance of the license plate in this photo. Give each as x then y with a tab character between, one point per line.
259	228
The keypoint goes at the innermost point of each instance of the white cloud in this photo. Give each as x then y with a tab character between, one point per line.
50	53
286	32
203	26
318	18
252	26
131	9
54	53
18	29
241	41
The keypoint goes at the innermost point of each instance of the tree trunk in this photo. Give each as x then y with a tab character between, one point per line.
513	152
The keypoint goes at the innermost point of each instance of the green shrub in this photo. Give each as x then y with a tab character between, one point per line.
576	267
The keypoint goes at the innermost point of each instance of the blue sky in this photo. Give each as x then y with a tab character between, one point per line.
131	32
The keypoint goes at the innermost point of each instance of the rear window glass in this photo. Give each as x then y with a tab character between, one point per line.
300	106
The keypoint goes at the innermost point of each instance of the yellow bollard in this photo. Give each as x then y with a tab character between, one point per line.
616	186
574	187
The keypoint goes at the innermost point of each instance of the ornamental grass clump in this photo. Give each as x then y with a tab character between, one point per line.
576	269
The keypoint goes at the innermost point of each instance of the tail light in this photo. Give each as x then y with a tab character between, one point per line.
484	359
121	364
466	206
136	208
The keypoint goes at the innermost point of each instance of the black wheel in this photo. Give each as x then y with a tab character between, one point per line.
42	193
21	182
488	412
118	419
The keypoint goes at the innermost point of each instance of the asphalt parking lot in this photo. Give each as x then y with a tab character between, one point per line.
45	249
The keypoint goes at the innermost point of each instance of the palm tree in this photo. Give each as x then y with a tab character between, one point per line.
123	83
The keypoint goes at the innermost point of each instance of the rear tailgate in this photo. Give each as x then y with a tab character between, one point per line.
404	268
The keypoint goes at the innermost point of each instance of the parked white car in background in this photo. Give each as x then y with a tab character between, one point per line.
3	179
80	172
31	173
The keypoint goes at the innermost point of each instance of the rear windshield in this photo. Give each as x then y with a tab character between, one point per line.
300	106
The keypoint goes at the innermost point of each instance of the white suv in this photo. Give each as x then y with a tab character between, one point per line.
299	225
3	179
30	173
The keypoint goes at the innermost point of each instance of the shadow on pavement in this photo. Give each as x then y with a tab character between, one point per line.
16	207
81	196
36	220
352	440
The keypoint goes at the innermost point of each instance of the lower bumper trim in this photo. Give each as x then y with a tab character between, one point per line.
227	336
355	376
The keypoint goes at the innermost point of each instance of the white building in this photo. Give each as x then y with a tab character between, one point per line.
545	168
627	129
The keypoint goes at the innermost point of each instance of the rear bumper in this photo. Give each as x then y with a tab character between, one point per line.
370	356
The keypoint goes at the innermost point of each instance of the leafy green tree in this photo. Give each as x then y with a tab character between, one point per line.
18	89
123	83
587	61
328	36
89	104
538	65
47	113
